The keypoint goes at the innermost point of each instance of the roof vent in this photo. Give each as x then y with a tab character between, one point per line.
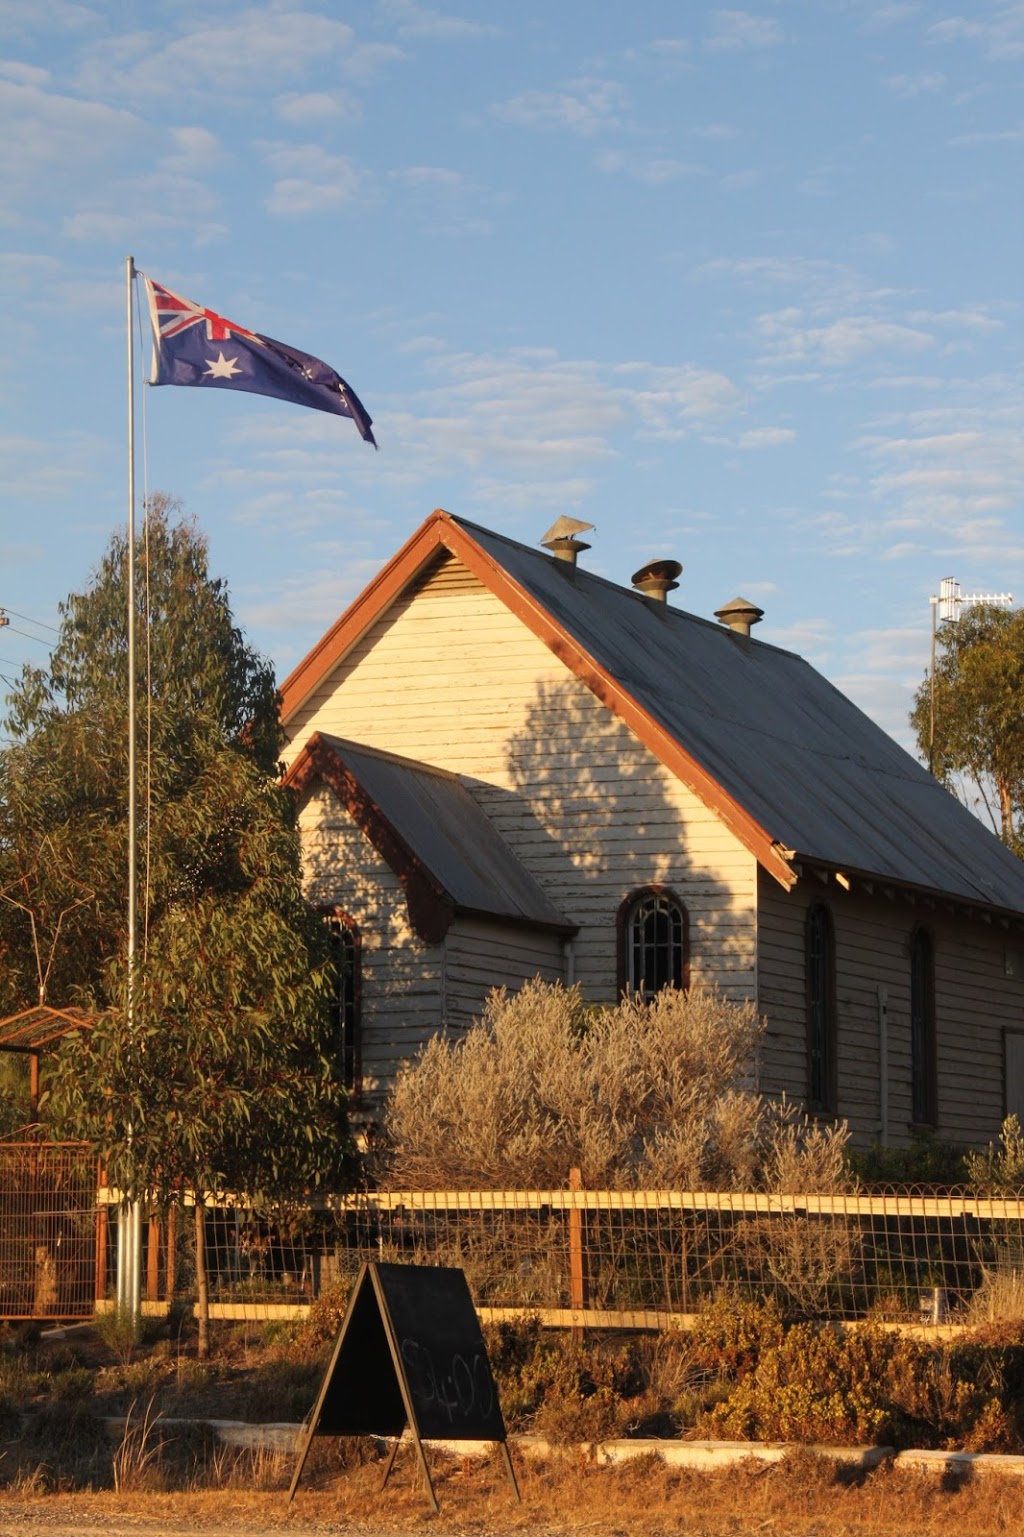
657	579
740	615
561	539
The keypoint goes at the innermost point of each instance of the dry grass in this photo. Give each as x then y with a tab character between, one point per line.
802	1497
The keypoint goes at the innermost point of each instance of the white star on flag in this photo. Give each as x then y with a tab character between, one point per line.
224	368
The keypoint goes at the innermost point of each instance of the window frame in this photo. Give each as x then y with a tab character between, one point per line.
347	1009
821	1003
625	947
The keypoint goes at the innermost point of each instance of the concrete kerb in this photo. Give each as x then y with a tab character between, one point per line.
706	1456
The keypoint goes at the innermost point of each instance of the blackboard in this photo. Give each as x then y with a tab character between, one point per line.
409	1352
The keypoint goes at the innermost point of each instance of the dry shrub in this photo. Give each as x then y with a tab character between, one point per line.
642	1094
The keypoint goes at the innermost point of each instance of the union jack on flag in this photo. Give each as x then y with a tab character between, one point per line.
193	345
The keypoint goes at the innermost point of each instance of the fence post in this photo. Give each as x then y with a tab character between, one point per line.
152	1256
102	1219
577	1259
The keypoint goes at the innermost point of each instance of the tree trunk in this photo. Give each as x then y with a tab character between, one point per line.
202	1284
1006	812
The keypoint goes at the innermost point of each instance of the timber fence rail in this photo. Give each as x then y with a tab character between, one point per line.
640	1259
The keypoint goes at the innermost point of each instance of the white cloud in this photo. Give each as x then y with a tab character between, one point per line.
302	107
989	136
23	74
194	151
922	81
741	29
1000	35
415	20
654	172
766	437
265	47
52	142
310	180
965	319
790	339
585	107
443	199
716	131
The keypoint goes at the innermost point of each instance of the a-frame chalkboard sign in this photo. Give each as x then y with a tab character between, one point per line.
409	1353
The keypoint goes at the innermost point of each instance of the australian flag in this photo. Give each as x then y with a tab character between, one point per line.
192	345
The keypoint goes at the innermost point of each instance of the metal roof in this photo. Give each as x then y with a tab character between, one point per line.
436	816
813	770
34	1029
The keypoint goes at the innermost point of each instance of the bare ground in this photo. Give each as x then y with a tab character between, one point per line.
803	1497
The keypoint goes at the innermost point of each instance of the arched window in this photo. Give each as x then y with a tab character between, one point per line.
923	1087
653	942
346	952
821	1009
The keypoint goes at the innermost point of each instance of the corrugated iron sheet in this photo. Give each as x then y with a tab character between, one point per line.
812	769
449	834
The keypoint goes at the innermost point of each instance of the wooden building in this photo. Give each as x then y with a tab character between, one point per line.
510	767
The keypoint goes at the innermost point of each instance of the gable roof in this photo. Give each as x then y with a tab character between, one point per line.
793	767
427	826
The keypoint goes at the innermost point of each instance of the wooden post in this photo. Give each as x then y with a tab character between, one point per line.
172	1243
153	1257
102	1218
577	1262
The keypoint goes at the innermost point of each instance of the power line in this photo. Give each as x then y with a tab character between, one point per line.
39	623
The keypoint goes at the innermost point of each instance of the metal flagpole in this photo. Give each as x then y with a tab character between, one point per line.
129	1227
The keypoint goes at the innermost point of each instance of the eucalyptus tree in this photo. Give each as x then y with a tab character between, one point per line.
976	710
222	1076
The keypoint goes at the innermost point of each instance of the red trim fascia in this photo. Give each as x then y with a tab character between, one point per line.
386	586
430	908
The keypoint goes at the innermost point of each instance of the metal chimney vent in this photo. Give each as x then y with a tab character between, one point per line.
740	615
561	539
657	579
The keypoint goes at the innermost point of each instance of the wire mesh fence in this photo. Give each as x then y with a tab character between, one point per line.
592	1257
640	1258
48	1230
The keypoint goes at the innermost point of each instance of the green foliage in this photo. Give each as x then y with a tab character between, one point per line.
979	715
219	1077
649	1095
743	1374
205	698
927	1161
999	1168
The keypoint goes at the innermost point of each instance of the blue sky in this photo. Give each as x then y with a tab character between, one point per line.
738	286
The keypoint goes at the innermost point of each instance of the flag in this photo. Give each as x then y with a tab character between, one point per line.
192	345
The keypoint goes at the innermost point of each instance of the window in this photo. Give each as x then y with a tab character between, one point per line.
654	942
345	1000
922	1029
821	1010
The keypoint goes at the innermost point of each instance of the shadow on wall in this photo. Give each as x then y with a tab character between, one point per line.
594	816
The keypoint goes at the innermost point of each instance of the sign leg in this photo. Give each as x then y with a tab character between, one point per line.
426	1474
305	1444
391	1461
511	1470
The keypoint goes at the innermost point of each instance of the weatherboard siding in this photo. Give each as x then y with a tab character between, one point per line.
975	1002
401	983
480	956
451	677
